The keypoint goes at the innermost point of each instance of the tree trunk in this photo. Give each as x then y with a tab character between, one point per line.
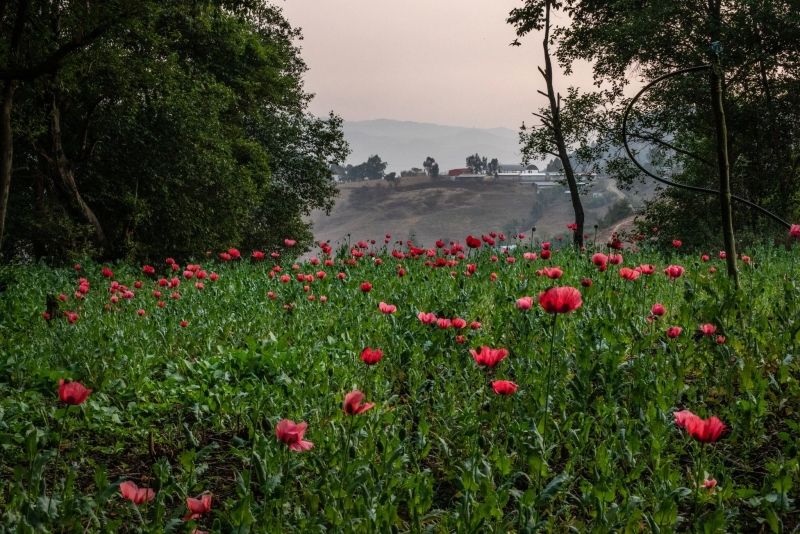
558	134
6	153
67	176
721	134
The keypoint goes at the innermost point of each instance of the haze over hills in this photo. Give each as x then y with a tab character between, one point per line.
406	144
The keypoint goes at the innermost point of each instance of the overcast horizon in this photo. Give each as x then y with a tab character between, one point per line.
446	63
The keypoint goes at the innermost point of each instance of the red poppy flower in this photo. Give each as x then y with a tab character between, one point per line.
586	282
560	299
387	309
720	340
292	433
366	287
599	259
525	303
646	268
458	323
546	245
135	494
794	231
488	356
475	325
529	256
658	309
148	269
289	242
444	323
553	273
473	242
257	255
709	483
703	430
426	318
677	243
615	259
674	331
73	393
629	274
504	387
106	272
198	507
708	329
371	356
545	254
674	271
353	404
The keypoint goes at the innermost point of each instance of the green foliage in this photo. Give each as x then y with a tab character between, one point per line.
186	128
372	169
761	97
187	410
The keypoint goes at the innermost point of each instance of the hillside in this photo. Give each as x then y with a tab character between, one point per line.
430	210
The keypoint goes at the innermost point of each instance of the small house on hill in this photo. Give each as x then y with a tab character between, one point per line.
458	172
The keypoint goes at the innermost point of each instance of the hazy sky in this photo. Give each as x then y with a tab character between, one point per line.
442	61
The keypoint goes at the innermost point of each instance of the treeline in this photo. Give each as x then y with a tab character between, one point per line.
151	128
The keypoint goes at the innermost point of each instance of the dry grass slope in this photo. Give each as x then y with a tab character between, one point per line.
430	210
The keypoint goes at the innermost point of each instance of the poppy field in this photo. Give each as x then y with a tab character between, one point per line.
499	385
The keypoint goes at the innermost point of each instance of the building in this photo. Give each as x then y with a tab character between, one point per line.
514	172
458	172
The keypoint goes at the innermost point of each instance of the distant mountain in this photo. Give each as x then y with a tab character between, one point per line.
405	144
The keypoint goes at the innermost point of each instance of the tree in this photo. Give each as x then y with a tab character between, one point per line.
747	45
431	167
554	165
372	169
42	36
186	130
493	166
477	164
550	137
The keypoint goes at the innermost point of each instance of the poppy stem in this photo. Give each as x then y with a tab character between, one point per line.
699	478
138	514
548	381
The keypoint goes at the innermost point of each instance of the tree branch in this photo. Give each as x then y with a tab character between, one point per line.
53	62
663	143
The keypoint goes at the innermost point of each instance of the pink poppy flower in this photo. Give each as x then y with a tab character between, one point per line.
560	299
198	507
129	490
703	430
387	309
292	433
353	404
487	356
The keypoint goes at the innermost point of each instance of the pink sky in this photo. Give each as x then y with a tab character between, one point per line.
441	61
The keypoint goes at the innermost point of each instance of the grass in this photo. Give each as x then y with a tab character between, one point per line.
190	410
